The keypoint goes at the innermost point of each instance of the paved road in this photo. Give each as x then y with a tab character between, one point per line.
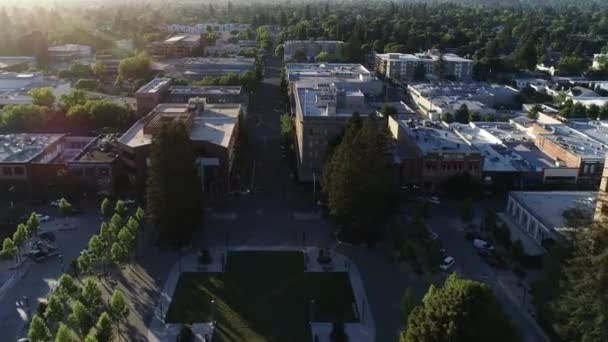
448	226
36	279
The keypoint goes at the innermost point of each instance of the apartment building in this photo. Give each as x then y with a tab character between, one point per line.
213	130
343	75
401	67
311	49
435	100
162	90
195	69
430	153
175	47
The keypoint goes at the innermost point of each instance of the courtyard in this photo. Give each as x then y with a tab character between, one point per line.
263	296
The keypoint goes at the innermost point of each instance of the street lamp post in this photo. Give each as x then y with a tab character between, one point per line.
212	312
312	309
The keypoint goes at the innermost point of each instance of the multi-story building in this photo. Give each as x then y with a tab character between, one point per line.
12	81
162	90
175	47
435	100
224	31
213	129
343	76
401	67
536	218
321	113
69	52
37	161
109	60
430	153
310	49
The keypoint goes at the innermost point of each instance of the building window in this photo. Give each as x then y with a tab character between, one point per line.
19	171
311	132
89	172
7	171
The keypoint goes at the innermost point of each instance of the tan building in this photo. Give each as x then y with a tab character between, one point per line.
213	130
430	153
176	46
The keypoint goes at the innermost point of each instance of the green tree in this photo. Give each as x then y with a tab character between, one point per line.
9	250
73	98
525	55
54	309
461	310
278	51
140	215
447	117
323	57
65	207
604	112
38	331
99	69
81	318
173	188
579	312
91	296
533	112
103	328
593	112
118	308
64	334
119	253
68	286
42	96
120	207
87	84
23	118
299	56
133	68
462	114
571	66
106	207
84	263
32	225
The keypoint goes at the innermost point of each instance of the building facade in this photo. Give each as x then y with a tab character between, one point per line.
402	67
175	47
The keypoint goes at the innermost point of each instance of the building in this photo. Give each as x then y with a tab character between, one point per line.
161	90
601	208
343	76
224	31
69	52
175	47
511	160
109	60
36	162
213	129
434	100
321	113
310	49
13	81
13	63
429	153
221	49
537	218
195	69
401	67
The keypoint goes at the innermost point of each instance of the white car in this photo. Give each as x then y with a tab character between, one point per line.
43	218
55	203
432	235
447	263
483	245
434	200
128	201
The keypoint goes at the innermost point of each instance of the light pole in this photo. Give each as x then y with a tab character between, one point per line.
212	311
312	309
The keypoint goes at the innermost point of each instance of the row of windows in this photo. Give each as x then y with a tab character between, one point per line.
451	167
90	172
10	170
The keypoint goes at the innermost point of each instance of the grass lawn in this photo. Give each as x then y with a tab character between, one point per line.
264	296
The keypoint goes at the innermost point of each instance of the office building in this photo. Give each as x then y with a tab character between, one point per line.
429	153
310	49
343	76
13	81
151	94
435	100
195	69
175	47
213	129
401	67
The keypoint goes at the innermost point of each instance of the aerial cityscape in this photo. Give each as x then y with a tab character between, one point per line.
319	171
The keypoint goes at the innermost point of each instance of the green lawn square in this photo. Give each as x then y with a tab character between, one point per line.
263	296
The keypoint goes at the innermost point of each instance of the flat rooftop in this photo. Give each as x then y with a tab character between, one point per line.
307	100
183	39
23	147
213	62
549	206
8	61
206	90
460	89
296	71
597	130
431	137
69	48
576	142
153	86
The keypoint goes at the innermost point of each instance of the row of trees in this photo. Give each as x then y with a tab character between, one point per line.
12	246
578	110
358	178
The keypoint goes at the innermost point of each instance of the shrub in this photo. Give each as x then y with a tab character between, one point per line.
337	332
205	257
324	256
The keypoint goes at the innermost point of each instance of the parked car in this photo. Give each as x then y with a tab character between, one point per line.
49	236
434	200
432	235
37	255
43	218
447	263
482	245
443	252
55	203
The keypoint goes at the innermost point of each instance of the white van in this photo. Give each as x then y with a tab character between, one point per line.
481	244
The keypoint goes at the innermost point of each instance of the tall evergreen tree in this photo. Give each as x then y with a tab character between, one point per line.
174	189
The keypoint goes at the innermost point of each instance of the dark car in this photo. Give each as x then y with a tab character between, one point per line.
49	236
